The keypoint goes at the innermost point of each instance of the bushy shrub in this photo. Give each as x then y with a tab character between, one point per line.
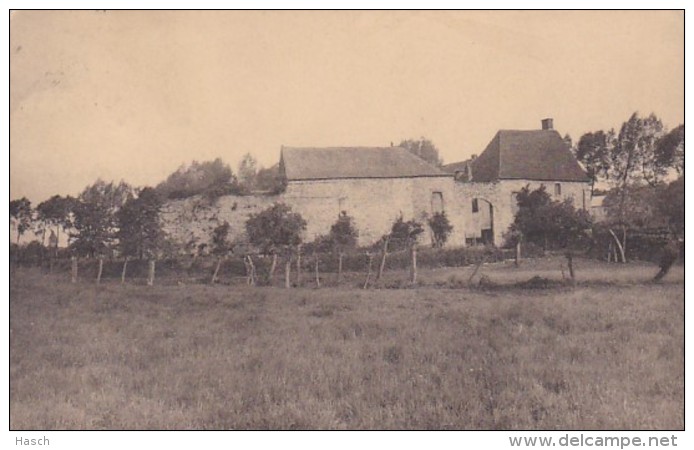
441	228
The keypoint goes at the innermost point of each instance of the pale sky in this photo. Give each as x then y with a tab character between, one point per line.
133	95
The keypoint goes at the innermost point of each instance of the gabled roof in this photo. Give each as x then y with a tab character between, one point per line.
309	163
527	155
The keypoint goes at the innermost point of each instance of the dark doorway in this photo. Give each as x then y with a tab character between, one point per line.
488	236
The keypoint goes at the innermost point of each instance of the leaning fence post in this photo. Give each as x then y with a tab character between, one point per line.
251	271
383	259
74	269
216	270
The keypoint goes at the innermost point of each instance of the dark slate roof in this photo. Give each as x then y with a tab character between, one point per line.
308	163
527	155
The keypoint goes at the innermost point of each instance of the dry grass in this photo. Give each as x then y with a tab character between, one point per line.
219	357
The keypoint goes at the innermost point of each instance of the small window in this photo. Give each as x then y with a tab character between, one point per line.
475	205
557	188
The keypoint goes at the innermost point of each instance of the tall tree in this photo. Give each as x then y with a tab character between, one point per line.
220	245
669	151
270	180
248	168
548	222
641	207
139	232
593	151
95	223
405	234
343	236
671	205
274	230
423	148
56	212
633	156
209	177
21	216
220	239
633	161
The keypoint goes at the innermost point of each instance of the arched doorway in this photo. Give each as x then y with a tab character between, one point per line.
481	229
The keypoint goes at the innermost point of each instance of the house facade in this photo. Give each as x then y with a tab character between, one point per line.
487	185
376	185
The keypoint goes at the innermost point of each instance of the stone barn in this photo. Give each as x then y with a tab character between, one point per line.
376	185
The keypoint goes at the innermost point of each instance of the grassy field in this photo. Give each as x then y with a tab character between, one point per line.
605	354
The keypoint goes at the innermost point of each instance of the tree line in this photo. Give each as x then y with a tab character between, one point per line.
107	218
635	162
107	213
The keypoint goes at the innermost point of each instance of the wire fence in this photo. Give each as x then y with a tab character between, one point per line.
254	268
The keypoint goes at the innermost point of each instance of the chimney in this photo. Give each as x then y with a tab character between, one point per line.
547	124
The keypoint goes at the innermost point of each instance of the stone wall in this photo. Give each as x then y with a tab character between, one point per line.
190	221
374	204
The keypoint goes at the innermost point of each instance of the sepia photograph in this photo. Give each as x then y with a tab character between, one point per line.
347	220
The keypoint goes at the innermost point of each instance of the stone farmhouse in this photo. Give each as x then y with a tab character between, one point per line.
376	185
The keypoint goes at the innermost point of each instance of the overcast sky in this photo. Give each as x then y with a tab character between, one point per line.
133	95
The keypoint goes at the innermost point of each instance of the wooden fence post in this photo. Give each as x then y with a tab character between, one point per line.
287	272
73	270
413	269
273	266
125	267
298	265
383	259
340	255
150	275
570	264
368	270
248	269
100	271
477	267
216	270
251	271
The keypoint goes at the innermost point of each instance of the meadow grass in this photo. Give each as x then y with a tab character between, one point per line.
603	356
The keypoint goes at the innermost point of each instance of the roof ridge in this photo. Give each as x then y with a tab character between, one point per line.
359	162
